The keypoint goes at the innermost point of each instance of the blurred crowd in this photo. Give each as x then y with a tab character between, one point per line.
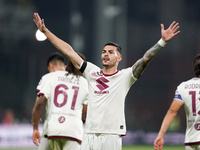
8	117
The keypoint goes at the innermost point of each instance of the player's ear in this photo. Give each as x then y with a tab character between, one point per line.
119	58
65	67
51	67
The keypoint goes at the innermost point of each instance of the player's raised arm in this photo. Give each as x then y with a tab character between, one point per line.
61	45
167	35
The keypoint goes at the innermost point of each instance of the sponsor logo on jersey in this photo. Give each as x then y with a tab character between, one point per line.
96	74
101	92
61	119
102	86
101	82
197	126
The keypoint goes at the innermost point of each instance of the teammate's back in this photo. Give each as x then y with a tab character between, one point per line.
65	98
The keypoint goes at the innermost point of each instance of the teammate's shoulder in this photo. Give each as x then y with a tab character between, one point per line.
182	83
58	73
83	81
46	75
125	69
82	78
91	65
55	73
192	80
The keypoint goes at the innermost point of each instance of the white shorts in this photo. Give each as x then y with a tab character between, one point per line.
101	142
64	144
44	144
193	147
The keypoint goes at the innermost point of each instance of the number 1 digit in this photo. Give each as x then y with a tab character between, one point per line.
193	94
65	96
75	96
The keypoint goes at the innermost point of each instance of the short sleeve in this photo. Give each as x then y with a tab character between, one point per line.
85	102
177	96
44	86
41	83
90	66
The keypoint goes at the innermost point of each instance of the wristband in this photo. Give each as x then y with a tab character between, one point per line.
162	43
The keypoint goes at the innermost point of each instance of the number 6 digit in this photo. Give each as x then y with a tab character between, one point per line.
57	92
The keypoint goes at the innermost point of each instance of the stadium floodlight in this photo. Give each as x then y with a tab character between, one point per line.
40	36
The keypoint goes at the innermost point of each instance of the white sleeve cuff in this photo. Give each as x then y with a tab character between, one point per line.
162	43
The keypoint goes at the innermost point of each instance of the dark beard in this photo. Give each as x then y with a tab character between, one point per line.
106	66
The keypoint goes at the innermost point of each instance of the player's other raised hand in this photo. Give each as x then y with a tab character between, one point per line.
169	33
39	22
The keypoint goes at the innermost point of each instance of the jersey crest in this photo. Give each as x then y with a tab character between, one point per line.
102	83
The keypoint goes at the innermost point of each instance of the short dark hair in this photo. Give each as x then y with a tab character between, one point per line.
119	49
196	65
71	69
55	57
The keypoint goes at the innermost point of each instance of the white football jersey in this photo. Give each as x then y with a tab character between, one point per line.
189	93
65	98
105	112
39	86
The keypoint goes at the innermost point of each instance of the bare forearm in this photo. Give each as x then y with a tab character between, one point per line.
65	48
61	45
33	115
33	112
167	35
139	67
167	122
36	100
84	113
37	115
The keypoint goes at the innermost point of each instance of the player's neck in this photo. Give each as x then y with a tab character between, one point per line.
108	71
59	68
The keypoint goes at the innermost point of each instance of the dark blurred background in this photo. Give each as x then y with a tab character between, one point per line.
87	26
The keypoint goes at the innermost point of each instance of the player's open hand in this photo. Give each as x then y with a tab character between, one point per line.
158	143
39	23
169	33
36	137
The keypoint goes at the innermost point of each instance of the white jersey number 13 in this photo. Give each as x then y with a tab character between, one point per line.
193	94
